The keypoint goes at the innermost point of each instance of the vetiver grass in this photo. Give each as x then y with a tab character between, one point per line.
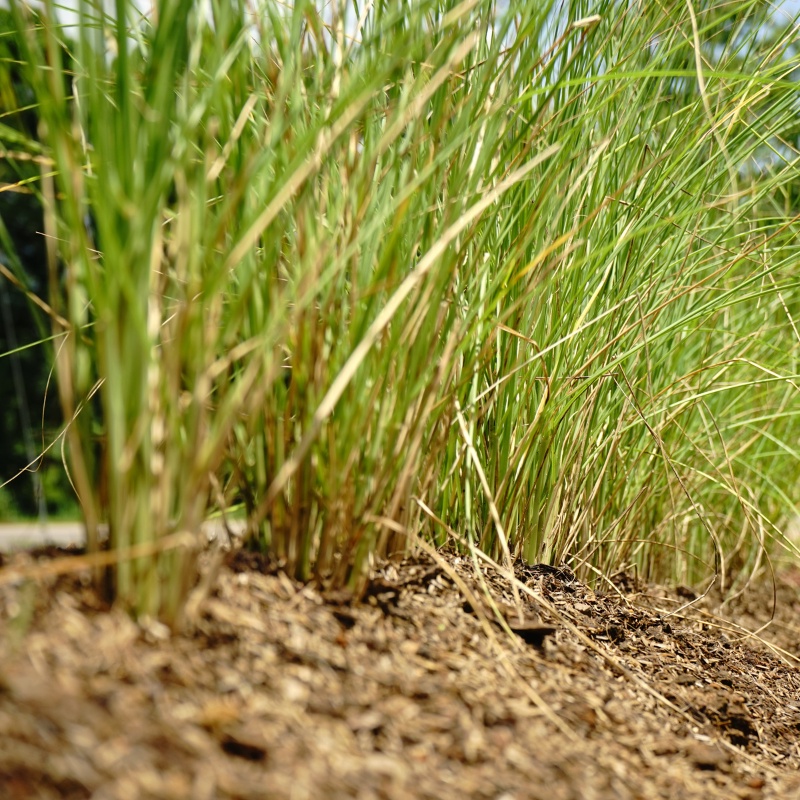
525	277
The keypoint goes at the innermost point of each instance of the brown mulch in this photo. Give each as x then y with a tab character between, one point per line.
276	690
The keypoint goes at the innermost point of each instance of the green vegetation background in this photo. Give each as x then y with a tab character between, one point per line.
27	423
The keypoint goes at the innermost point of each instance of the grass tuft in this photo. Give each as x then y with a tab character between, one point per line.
523	273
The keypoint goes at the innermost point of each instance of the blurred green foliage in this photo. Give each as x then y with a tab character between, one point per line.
27	423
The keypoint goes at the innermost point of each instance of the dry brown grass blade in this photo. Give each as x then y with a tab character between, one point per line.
35	299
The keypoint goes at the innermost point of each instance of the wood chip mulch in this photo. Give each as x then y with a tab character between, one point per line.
437	685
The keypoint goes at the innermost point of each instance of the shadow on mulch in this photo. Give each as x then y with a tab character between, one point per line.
279	691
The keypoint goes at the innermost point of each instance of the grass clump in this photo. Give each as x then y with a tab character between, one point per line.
523	274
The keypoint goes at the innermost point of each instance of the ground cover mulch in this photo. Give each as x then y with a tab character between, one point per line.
436	685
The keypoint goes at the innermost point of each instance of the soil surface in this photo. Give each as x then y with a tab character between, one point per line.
439	684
